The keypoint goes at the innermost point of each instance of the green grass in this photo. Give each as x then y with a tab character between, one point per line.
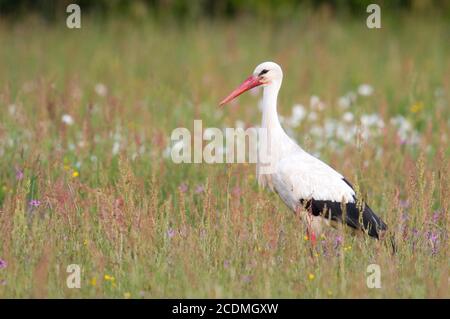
231	239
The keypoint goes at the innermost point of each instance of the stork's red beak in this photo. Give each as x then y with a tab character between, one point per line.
248	84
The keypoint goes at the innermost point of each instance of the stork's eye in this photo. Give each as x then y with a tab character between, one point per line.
263	72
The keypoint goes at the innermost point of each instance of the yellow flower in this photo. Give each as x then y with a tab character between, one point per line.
416	107
305	237
109	278
85	242
93	282
127	295
311	276
75	174
348	248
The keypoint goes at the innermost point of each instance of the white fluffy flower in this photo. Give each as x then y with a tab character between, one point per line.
101	89
316	104
67	119
365	90
298	114
348	117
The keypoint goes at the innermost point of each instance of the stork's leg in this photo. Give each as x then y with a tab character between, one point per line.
312	223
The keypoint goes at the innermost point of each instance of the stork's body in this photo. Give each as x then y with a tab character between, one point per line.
306	185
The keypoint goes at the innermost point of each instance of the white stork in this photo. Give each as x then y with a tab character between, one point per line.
306	185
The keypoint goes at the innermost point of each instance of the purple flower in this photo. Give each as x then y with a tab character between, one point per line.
3	264
236	191
338	241
183	188
34	203
433	237
19	174
246	278
404	203
170	233
199	189
226	263
436	216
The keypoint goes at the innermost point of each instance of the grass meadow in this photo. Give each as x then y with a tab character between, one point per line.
85	123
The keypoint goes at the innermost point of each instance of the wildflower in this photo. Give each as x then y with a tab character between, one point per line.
404	203
85	242
171	233
3	264
436	216
34	203
416	107
311	276
298	114
19	174
101	89
348	248
316	104
246	278
109	278
306	238
365	90
75	174
183	188
12	109
199	189
348	117
67	119
372	120
226	264
344	102
236	191
116	148
93	281
127	295
338	241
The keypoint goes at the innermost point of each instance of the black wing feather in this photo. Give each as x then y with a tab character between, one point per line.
333	210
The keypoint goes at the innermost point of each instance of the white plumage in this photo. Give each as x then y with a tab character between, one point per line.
307	185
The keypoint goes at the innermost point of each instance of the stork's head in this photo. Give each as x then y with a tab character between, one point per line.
265	74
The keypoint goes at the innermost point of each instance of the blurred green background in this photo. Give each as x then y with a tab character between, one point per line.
182	9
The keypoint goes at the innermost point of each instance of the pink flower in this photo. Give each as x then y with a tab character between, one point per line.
199	189
183	188
3	264
170	233
19	174
34	203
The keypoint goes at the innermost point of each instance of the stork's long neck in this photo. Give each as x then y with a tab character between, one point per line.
270	119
